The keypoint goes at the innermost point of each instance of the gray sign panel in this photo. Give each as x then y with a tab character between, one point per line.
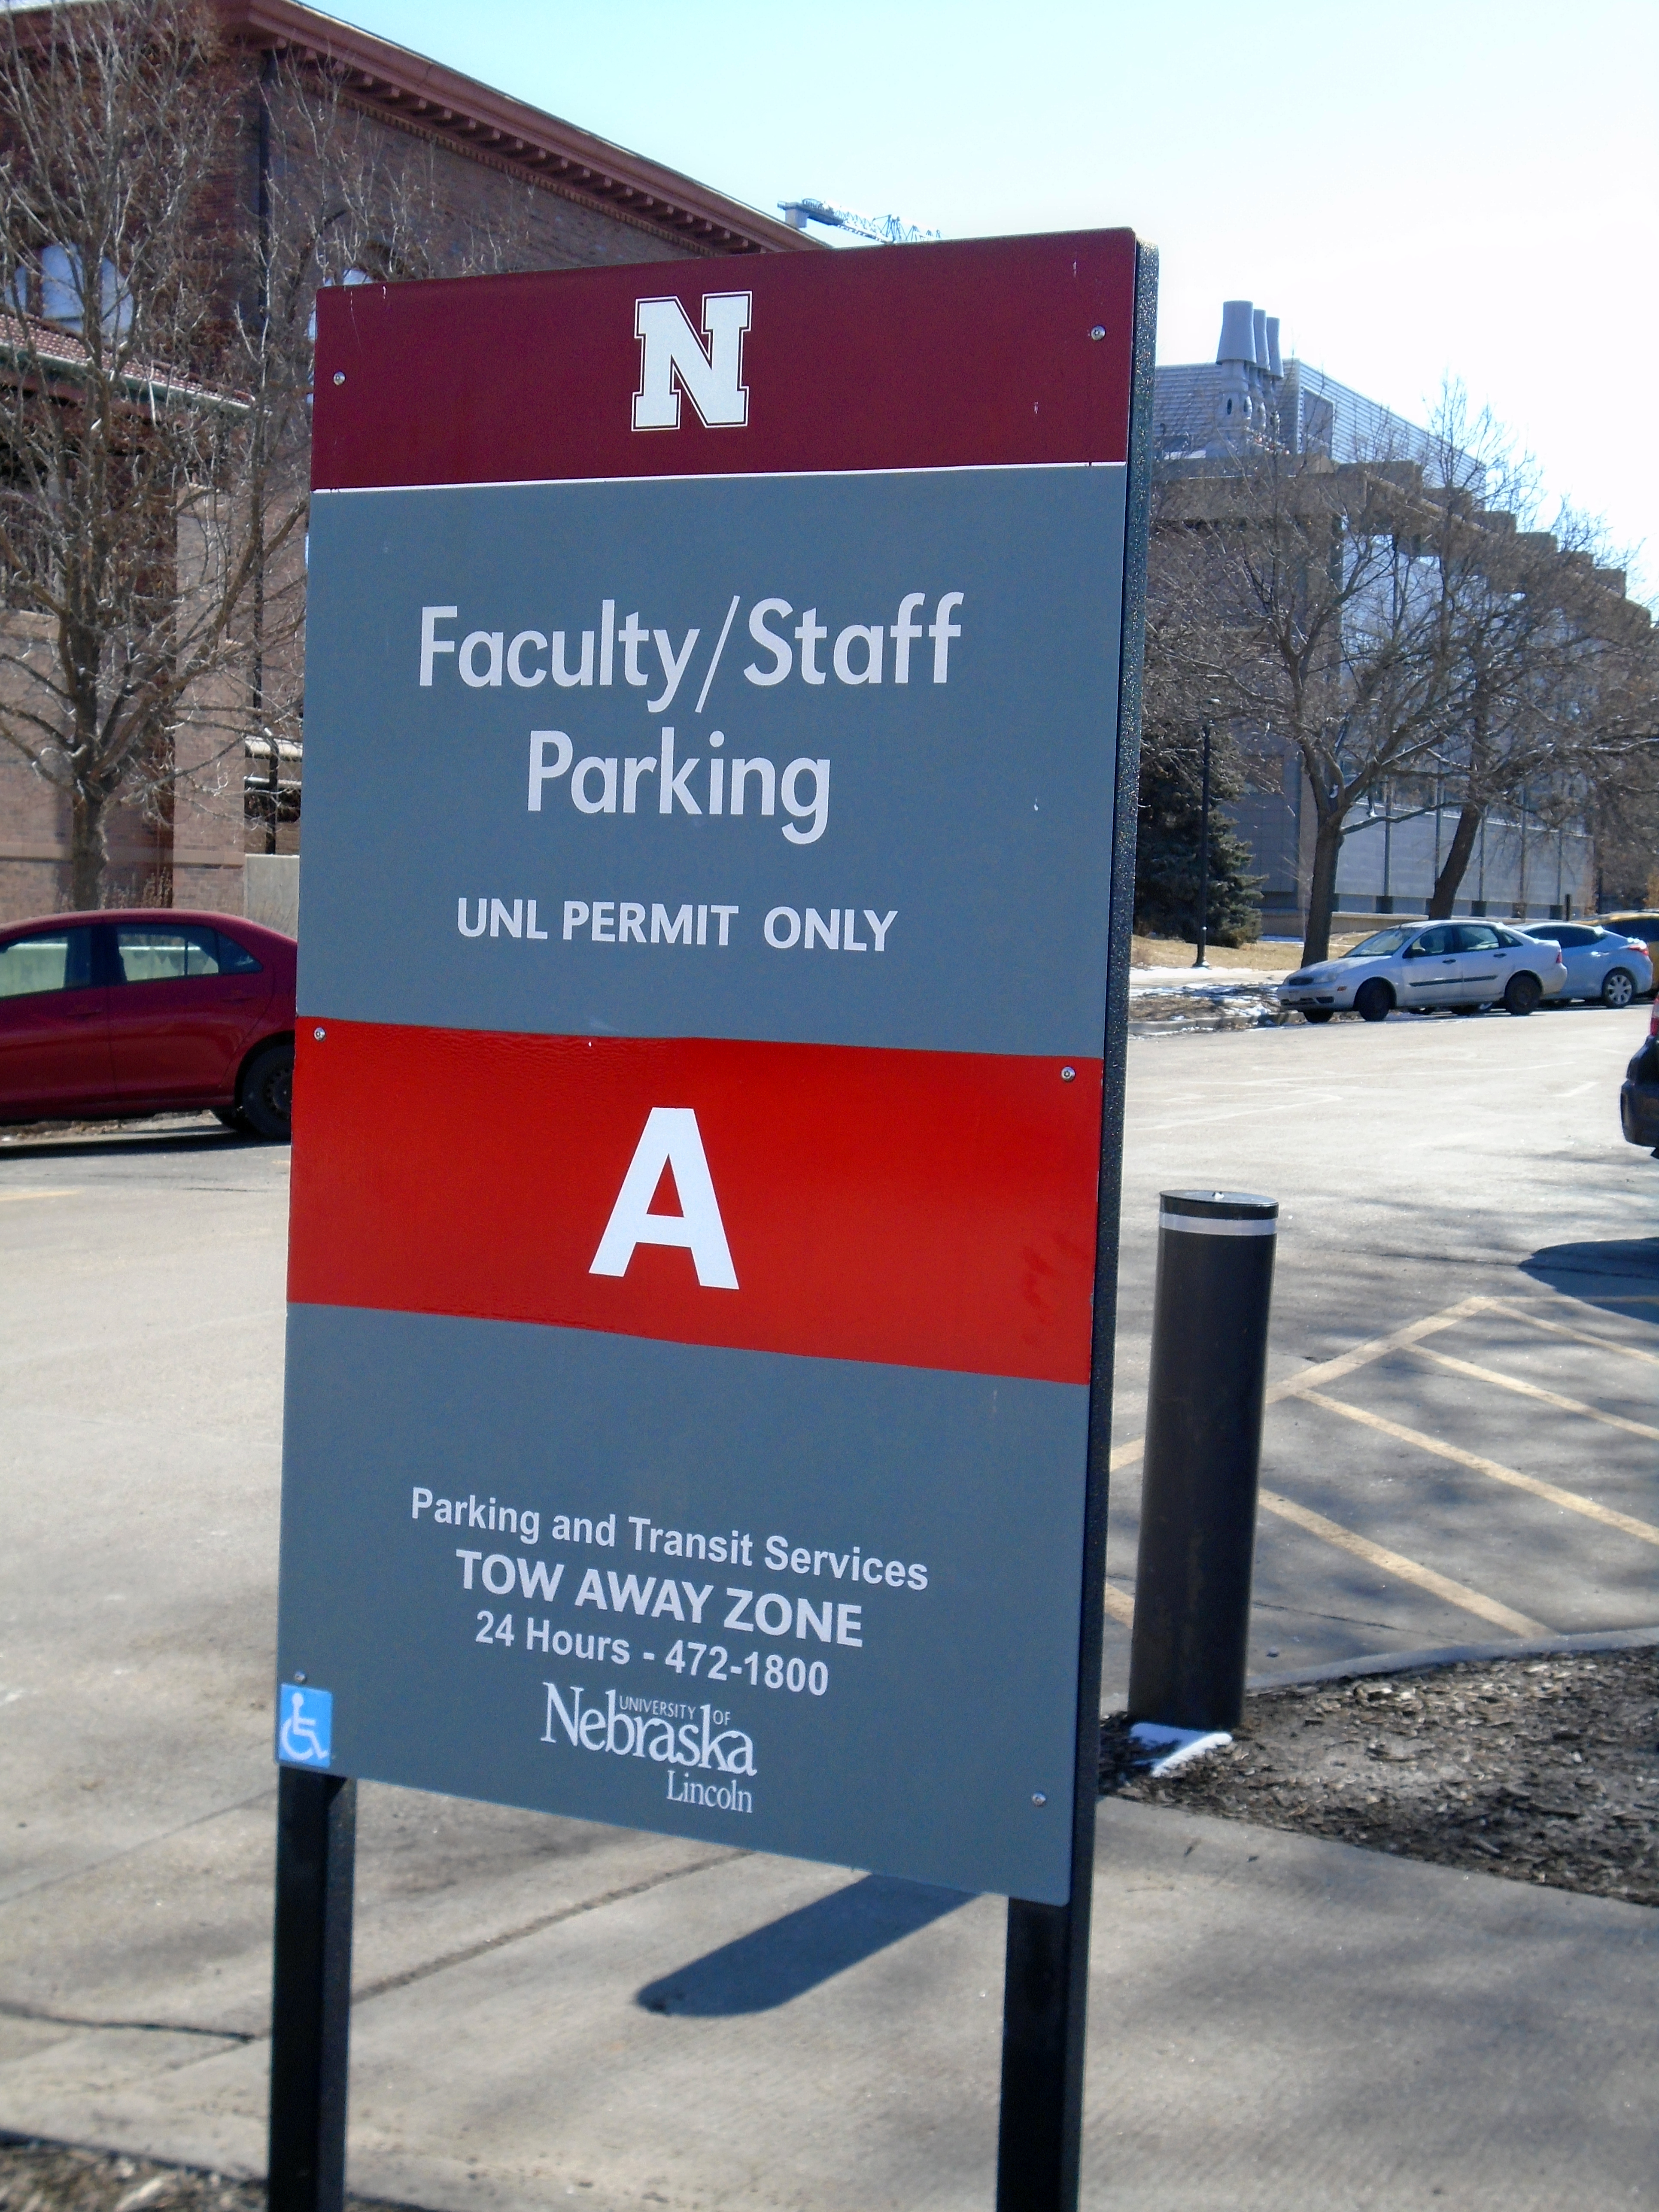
773	762
878	1669
958	779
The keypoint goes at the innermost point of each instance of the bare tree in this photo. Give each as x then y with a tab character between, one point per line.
1297	592
154	376
125	522
1390	621
1547	656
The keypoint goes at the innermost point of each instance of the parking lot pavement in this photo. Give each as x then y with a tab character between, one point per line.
1420	1166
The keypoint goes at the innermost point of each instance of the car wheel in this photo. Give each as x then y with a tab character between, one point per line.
1619	988
1317	1013
1522	993
267	1093
1374	1001
232	1118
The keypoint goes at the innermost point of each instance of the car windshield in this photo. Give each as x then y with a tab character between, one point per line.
1374	948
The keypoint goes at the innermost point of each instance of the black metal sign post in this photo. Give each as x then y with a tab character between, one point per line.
311	1995
1046	1976
1200	958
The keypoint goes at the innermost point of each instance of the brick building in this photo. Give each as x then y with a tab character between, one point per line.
480	166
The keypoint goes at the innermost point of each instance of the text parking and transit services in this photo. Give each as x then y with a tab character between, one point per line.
699	1097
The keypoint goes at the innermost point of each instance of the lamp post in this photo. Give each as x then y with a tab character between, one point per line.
1199	960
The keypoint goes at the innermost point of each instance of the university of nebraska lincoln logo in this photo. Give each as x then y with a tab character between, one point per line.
672	360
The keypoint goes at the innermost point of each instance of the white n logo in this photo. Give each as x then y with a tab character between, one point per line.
672	360
671	1139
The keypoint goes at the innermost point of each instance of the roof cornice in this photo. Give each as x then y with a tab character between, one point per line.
509	134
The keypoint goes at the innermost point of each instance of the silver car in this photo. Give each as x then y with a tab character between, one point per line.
1418	966
1602	963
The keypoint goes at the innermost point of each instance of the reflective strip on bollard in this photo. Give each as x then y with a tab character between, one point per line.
1194	1226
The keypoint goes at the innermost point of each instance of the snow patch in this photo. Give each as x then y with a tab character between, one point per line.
1170	1749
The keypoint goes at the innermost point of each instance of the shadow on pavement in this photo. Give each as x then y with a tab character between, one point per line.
36	1144
1621	1275
787	1957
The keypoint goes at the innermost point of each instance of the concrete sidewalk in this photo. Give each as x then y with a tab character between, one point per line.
1276	2022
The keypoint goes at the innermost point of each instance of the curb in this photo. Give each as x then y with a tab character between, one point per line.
1449	1655
1184	1028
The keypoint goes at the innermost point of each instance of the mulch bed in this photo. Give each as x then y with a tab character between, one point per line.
46	2177
1538	1769
41	2177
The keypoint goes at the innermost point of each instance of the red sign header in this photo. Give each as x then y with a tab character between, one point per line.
917	1208
992	352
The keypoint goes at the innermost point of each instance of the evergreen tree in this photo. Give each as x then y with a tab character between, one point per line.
1167	847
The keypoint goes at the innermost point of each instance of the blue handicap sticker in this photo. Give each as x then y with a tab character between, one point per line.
305	1729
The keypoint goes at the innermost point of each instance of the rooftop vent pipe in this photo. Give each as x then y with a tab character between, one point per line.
1275	366
1237	332
1259	337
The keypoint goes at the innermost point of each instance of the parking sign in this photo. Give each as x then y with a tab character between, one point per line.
716	735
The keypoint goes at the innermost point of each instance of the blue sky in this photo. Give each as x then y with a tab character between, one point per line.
1464	187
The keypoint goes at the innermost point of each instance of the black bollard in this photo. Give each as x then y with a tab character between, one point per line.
1215	1276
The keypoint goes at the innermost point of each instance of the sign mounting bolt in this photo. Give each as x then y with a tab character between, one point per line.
339	373
1068	1075
1039	1797
319	1034
1098	333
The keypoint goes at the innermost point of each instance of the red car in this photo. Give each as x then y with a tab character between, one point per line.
147	1011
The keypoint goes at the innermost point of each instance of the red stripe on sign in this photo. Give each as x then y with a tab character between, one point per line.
977	353
920	1209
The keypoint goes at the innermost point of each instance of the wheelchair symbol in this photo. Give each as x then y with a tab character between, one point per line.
305	1735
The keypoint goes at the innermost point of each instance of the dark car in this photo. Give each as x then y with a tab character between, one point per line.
147	1011
1639	1095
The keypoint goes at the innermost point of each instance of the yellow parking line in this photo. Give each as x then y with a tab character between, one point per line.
1410	1338
1573	1335
1406	1570
1644	1531
1532	1391
1332	1370
1393	1563
1399	1340
12	1196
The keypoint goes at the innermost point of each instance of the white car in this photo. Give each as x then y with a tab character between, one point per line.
1609	965
1418	966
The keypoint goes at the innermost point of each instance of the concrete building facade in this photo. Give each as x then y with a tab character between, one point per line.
1524	867
1206	414
1247	395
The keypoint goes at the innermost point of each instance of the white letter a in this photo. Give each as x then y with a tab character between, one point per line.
670	1139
